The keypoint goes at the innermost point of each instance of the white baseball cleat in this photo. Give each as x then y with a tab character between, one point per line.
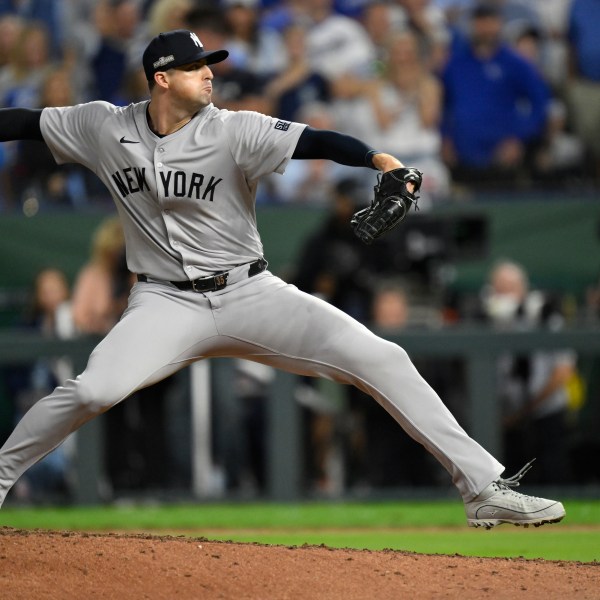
498	503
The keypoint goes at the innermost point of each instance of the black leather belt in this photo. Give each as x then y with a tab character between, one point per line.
215	282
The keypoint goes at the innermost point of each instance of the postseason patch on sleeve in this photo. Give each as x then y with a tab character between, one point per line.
282	125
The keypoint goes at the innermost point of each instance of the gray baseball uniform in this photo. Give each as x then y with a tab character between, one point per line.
187	205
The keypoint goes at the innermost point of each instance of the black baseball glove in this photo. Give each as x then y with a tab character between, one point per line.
390	204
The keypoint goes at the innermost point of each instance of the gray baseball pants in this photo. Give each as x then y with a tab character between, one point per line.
263	319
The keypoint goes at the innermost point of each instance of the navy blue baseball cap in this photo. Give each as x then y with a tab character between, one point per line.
176	48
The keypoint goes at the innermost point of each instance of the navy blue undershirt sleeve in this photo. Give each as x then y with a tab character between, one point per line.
338	147
20	124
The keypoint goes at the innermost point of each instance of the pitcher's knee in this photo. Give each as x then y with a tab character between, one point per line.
94	399
386	352
387	360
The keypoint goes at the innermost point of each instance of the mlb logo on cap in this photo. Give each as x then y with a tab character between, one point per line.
176	48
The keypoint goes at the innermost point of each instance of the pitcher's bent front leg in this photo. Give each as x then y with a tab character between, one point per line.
139	350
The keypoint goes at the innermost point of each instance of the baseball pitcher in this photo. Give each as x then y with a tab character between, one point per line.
183	175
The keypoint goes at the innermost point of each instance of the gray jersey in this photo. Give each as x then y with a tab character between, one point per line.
186	200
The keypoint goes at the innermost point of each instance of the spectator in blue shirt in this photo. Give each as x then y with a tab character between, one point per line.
495	105
584	86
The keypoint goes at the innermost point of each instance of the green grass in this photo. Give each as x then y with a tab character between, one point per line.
429	527
549	543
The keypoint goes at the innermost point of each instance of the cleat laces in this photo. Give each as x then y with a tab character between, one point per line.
505	485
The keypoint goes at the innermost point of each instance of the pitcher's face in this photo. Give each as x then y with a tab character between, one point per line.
192	83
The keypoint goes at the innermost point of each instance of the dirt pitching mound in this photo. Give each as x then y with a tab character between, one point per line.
41	564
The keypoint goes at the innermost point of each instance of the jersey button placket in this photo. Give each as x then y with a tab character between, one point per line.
170	224
165	211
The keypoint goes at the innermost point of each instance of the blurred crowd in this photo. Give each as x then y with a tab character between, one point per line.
477	95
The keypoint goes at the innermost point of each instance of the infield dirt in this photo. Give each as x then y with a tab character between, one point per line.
66	565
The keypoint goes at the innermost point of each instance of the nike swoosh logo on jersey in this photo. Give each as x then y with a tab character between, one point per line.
125	141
